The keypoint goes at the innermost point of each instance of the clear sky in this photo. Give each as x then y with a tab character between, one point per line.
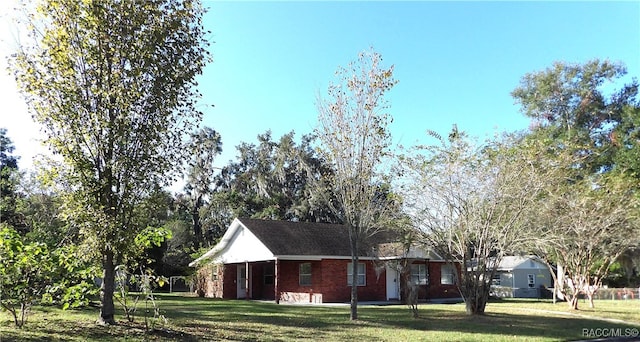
456	62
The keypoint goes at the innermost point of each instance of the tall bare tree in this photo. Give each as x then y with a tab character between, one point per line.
470	203
112	85
353	130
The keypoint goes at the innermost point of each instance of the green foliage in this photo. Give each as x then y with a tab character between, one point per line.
30	272
73	282
113	86
150	237
9	177
569	103
625	139
25	273
586	133
206	144
146	280
145	244
179	249
40	207
271	180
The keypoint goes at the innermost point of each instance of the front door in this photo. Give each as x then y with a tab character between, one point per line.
242	281
393	283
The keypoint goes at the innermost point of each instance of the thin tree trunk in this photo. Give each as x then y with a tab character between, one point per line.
559	286
23	313
354	277
107	309
573	301
197	227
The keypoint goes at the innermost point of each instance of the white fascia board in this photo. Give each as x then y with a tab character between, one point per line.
320	257
221	245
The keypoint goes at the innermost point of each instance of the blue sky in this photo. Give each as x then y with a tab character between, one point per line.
456	62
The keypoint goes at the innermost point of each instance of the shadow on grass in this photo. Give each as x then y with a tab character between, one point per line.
252	318
197	319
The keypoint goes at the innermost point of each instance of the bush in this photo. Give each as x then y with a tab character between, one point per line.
25	273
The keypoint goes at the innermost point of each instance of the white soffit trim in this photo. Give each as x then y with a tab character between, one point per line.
220	246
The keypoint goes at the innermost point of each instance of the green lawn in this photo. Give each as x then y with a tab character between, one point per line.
196	319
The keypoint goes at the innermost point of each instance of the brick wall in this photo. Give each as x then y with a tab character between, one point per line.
211	276
435	288
329	279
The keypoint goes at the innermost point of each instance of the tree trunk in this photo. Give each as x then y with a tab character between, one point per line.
107	309
558	289
197	227
475	305
476	297
573	302
590	296
590	291
354	278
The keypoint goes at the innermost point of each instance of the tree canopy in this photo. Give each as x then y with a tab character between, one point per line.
113	86
355	140
586	132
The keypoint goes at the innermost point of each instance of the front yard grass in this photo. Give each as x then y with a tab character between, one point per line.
201	319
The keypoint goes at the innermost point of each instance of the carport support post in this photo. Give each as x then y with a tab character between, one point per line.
247	281
276	276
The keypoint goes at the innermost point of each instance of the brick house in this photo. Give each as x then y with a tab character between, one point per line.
311	262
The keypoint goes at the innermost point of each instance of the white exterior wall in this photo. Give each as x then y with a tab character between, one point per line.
243	246
542	277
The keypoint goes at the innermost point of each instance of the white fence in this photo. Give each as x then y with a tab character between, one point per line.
617	293
179	284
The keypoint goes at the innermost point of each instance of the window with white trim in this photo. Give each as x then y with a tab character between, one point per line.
496	280
214	272
447	274
362	277
531	280
305	274
419	274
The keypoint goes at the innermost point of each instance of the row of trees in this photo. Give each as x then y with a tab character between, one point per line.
566	190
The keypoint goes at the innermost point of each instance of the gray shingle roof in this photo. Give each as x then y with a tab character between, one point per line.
307	238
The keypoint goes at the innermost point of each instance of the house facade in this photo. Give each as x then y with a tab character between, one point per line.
311	263
521	277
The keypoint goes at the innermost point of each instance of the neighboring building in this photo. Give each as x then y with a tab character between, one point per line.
311	262
521	277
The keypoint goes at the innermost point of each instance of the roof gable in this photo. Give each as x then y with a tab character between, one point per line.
244	246
238	244
509	263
